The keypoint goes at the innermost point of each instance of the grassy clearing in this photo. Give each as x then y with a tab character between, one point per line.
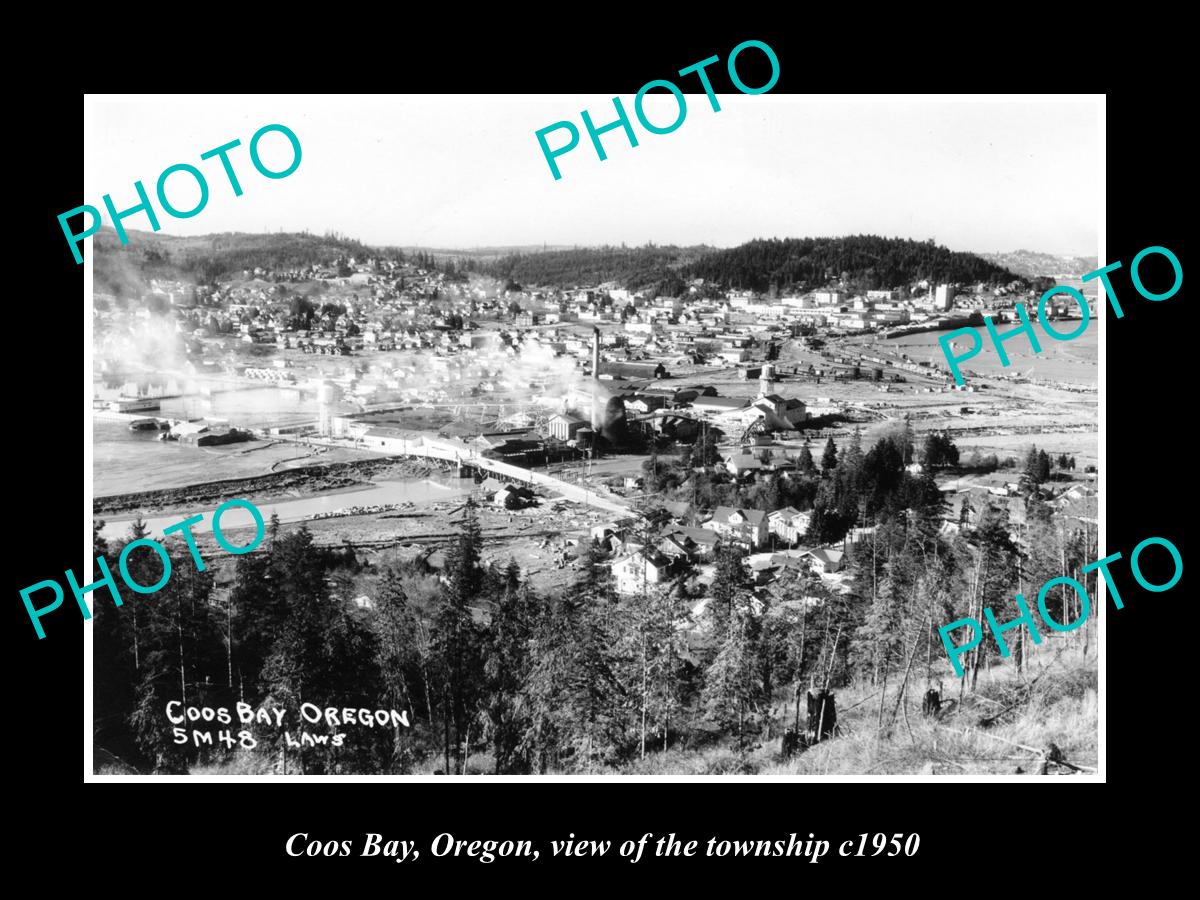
1053	701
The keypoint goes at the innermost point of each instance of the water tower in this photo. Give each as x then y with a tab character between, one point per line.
328	394
766	380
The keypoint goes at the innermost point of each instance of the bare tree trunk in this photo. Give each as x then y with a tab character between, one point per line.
912	652
229	642
645	673
882	696
182	673
1020	590
1062	552
446	730
978	615
929	641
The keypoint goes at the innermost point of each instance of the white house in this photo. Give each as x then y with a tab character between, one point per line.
788	524
825	561
748	526
641	569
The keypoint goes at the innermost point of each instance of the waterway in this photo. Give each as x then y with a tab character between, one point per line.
245	407
124	461
416	490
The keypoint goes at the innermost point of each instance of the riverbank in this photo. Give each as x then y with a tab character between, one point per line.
291	484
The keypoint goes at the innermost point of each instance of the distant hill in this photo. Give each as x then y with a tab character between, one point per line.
126	270
858	262
861	262
485	254
631	267
1031	264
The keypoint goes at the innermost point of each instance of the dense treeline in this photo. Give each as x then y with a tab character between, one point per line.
125	270
864	262
632	267
495	677
859	261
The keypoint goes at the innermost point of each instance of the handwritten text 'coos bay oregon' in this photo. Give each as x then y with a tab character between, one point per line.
179	715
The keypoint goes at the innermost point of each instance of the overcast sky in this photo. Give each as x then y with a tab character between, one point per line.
462	172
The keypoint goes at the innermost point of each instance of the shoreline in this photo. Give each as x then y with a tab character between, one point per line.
290	484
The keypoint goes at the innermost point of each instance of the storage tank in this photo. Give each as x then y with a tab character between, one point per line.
328	394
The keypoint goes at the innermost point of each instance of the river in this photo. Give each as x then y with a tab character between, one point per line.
416	490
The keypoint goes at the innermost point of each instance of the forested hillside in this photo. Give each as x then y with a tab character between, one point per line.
496	677
859	262
864	262
127	269
632	267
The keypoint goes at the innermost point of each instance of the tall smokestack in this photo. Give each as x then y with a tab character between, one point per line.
595	378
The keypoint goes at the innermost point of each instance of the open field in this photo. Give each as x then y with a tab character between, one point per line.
543	539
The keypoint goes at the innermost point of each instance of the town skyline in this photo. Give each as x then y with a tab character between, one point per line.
547	247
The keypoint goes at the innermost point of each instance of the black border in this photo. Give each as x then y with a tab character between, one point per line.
177	834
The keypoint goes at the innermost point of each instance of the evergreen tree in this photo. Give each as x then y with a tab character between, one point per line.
732	683
181	659
576	701
994	578
805	460
395	625
939	451
852	460
457	641
113	671
729	579
881	475
1043	466
322	653
1037	466
829	459
506	669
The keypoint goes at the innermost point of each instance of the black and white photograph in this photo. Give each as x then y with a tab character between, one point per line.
464	436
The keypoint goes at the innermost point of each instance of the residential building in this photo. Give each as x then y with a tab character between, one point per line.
640	570
746	526
788	524
824	560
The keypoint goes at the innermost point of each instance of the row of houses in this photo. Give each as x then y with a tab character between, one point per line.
679	547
